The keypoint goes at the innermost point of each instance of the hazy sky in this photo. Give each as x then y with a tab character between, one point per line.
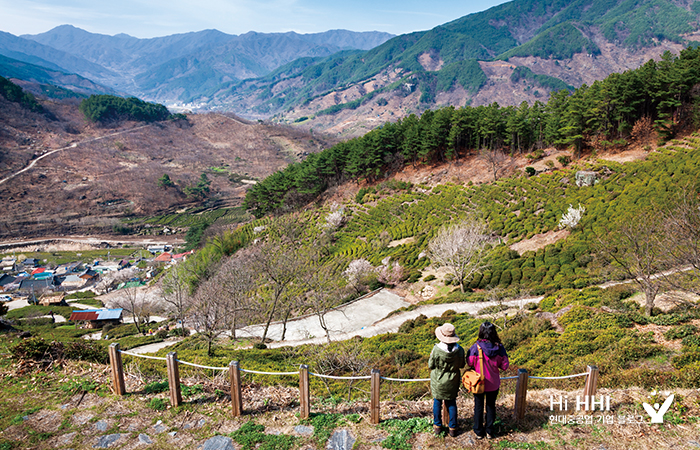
151	18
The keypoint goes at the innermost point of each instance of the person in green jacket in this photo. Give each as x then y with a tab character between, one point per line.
446	360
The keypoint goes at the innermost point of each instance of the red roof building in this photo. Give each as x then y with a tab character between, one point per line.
164	257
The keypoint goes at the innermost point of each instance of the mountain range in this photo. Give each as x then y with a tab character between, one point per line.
173	67
348	83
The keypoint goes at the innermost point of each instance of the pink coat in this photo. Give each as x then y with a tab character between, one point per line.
495	359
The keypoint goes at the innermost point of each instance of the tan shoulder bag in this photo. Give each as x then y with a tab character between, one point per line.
473	381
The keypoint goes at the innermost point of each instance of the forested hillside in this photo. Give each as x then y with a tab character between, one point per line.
658	98
385	235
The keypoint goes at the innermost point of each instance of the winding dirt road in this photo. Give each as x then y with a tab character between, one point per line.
73	145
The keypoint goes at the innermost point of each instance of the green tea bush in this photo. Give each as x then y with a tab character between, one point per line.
686	358
39	349
574	315
681	332
692	341
519	333
83	350
120	331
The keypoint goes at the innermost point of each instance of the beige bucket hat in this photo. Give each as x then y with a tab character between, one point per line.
446	333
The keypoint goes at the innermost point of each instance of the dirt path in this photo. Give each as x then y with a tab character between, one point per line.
73	145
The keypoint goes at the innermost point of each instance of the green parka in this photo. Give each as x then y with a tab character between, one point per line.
445	376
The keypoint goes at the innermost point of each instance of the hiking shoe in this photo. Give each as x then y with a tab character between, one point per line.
478	436
452	432
437	430
491	436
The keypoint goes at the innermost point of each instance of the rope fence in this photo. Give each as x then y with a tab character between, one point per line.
172	363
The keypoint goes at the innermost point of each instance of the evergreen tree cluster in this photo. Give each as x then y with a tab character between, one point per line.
14	93
109	108
659	93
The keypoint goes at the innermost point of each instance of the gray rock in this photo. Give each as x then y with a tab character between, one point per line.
304	430
341	440
67	438
144	439
172	433
218	443
159	427
586	178
201	423
101	425
107	440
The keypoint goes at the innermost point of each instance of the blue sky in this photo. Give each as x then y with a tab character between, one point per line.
151	18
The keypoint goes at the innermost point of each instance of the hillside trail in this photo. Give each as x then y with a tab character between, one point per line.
366	317
73	145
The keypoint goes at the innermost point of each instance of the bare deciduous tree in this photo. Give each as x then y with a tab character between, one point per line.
175	290
236	279
324	291
277	262
681	243
461	248
344	358
495	159
633	249
132	299
207	309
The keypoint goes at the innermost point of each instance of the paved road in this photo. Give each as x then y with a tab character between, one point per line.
365	317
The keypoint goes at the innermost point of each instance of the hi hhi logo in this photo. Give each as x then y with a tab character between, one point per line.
585	404
657	412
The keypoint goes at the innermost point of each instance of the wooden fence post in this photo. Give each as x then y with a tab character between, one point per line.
115	361
174	379
304	394
591	382
521	394
374	397
236	399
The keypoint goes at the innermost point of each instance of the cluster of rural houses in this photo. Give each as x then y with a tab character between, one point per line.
43	284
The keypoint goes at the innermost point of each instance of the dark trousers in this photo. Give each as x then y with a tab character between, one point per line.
451	410
490	398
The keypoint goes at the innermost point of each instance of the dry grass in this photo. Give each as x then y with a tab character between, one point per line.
73	418
113	172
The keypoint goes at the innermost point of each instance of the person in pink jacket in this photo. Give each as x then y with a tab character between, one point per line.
495	359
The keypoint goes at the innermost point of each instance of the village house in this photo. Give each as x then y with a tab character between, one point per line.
96	318
41	273
30	263
29	286
71	282
89	275
164	258
8	265
53	299
158	248
67	268
8	283
182	256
